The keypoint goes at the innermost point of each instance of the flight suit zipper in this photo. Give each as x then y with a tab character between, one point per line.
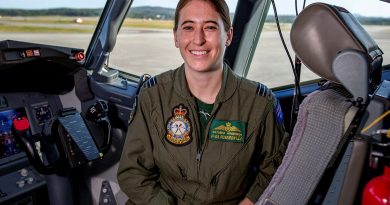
200	148
195	125
198	157
206	134
195	121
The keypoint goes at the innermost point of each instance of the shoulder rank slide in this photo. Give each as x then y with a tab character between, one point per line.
262	90
151	82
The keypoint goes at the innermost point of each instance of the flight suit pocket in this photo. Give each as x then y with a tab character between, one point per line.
171	184
163	198
232	180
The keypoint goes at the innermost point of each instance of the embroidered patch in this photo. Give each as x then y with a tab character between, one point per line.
179	127
278	111
229	131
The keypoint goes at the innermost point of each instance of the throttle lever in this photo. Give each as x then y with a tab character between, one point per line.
98	114
21	131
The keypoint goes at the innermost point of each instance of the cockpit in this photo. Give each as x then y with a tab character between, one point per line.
67	96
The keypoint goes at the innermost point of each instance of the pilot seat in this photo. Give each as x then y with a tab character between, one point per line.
325	159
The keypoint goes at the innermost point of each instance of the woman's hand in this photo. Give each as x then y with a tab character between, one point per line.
246	201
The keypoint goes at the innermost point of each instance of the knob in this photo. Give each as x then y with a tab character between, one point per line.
24	172
20	184
30	180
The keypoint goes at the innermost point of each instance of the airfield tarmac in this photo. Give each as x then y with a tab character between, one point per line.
140	51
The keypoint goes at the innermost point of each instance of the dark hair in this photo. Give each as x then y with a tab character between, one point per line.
219	5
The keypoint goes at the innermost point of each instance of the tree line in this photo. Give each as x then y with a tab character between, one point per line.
148	12
362	19
136	12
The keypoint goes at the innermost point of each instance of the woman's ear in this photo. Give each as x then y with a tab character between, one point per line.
175	38
227	43
229	36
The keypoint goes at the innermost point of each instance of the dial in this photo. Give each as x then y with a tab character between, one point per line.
43	113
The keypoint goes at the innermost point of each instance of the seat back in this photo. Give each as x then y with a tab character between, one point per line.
332	44
311	148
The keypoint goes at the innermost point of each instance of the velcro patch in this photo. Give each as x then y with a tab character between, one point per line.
227	130
278	111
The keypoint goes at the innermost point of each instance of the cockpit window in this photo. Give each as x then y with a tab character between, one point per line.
68	23
270	64
145	43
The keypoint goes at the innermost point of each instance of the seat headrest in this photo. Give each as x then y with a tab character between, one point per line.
321	31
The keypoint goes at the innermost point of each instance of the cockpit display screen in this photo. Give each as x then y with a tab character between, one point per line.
8	145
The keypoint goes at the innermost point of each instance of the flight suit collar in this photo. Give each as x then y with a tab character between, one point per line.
230	83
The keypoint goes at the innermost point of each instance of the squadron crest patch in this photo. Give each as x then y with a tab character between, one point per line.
179	127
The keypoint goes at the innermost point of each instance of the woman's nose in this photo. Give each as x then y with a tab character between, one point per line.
199	36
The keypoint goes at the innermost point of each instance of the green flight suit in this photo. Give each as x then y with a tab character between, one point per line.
163	163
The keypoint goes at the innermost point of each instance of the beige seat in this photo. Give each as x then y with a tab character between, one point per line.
331	43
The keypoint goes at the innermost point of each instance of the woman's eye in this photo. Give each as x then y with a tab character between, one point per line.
211	28
187	28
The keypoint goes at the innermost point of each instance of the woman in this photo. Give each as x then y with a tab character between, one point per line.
200	133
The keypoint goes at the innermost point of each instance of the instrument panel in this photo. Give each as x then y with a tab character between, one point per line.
17	176
38	108
8	145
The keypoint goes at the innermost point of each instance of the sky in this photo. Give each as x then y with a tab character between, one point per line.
375	8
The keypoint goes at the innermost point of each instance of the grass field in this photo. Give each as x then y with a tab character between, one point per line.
40	29
67	24
63	24
50	19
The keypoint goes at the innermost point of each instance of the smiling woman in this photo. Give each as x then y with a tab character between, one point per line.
197	134
202	43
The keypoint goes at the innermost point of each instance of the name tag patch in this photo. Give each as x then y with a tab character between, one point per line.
227	130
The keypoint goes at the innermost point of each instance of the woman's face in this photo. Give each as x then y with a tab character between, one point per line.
201	36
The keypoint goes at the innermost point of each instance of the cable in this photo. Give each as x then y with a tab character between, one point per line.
376	121
296	6
297	88
283	42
